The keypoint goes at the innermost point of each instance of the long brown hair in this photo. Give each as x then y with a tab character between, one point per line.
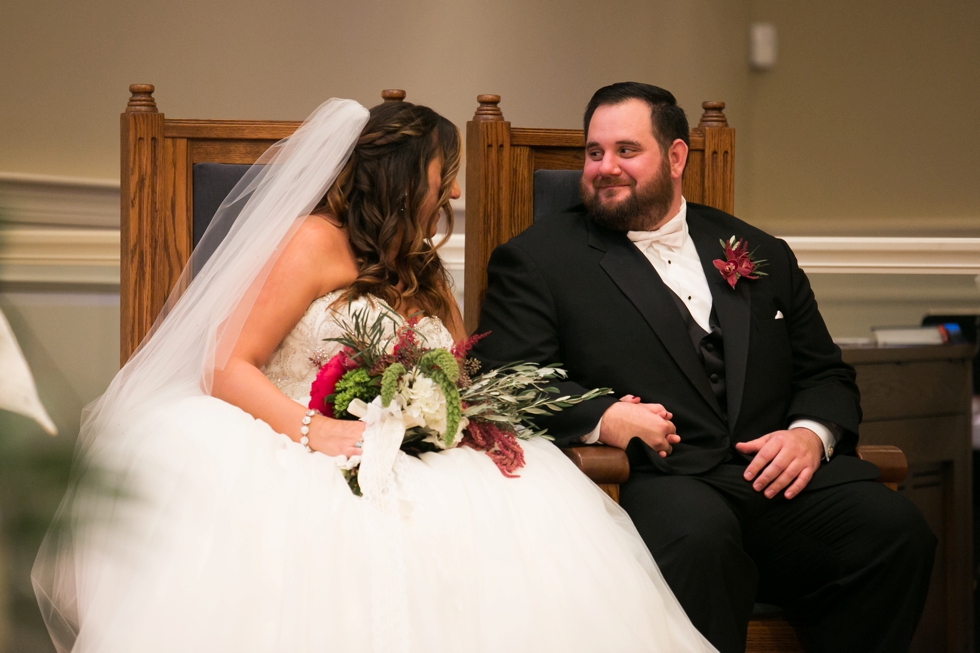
378	197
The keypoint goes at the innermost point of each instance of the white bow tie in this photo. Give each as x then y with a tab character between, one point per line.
672	235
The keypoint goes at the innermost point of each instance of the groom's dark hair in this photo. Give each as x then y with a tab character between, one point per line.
667	120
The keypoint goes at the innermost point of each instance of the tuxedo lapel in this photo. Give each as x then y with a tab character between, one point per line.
639	281
732	306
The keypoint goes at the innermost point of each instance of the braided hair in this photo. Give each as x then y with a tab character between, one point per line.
378	197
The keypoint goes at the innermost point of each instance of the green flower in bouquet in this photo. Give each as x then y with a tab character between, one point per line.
355	384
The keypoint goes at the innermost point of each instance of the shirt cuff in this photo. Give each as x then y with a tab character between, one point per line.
826	431
593	437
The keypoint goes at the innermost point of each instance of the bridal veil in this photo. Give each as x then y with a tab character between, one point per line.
193	334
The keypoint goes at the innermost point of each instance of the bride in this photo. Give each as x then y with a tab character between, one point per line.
231	526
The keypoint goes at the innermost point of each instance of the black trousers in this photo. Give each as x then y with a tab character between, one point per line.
850	564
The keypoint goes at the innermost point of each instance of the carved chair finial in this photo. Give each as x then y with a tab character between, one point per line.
141	99
714	115
393	95
488	109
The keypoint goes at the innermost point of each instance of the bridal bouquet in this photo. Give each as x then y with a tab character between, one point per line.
442	401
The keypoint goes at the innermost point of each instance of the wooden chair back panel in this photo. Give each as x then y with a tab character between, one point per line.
157	195
500	165
230	151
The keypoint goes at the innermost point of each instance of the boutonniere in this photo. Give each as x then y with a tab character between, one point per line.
739	262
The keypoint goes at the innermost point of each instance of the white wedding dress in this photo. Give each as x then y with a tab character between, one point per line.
233	538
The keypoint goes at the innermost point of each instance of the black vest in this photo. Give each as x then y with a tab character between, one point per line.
710	348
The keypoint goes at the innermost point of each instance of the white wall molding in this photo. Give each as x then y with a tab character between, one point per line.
935	226
886	255
91	256
59	201
453	255
62	256
57	255
61	230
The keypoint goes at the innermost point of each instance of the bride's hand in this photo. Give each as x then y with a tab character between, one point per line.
336	437
656	409
628	419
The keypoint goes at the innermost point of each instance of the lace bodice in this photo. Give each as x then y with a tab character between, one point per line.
295	362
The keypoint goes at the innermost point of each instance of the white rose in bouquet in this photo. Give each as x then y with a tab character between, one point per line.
424	404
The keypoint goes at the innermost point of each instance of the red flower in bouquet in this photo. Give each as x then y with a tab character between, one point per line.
462	348
326	381
406	349
738	263
500	444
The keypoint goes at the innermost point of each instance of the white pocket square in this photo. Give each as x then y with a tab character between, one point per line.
779	315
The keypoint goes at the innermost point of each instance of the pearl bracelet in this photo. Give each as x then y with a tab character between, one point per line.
305	430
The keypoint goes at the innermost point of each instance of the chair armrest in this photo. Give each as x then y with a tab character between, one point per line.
609	465
890	460
603	464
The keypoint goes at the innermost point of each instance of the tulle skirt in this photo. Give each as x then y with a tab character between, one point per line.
223	535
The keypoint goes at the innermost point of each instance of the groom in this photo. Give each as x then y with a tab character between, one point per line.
736	412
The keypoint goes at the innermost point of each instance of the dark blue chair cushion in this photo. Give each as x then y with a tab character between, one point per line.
212	183
555	191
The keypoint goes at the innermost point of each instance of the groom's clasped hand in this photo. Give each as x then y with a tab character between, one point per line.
629	418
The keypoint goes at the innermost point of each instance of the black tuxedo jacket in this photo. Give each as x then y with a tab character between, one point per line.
567	290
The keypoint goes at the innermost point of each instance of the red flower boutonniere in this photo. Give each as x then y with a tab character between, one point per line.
739	262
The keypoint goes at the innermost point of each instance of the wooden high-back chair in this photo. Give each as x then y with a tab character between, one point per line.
501	161
503	166
168	168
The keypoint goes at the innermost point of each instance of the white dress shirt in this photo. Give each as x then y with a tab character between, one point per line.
672	253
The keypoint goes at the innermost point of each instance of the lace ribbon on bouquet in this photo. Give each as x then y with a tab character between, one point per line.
383	434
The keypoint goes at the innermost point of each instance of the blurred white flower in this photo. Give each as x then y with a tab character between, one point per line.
17	391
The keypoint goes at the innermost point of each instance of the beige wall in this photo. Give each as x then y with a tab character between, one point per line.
851	304
865	125
868	123
67	65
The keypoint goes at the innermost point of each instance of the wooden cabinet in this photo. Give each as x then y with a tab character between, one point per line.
919	399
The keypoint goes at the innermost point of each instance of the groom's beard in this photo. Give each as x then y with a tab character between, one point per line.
640	211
